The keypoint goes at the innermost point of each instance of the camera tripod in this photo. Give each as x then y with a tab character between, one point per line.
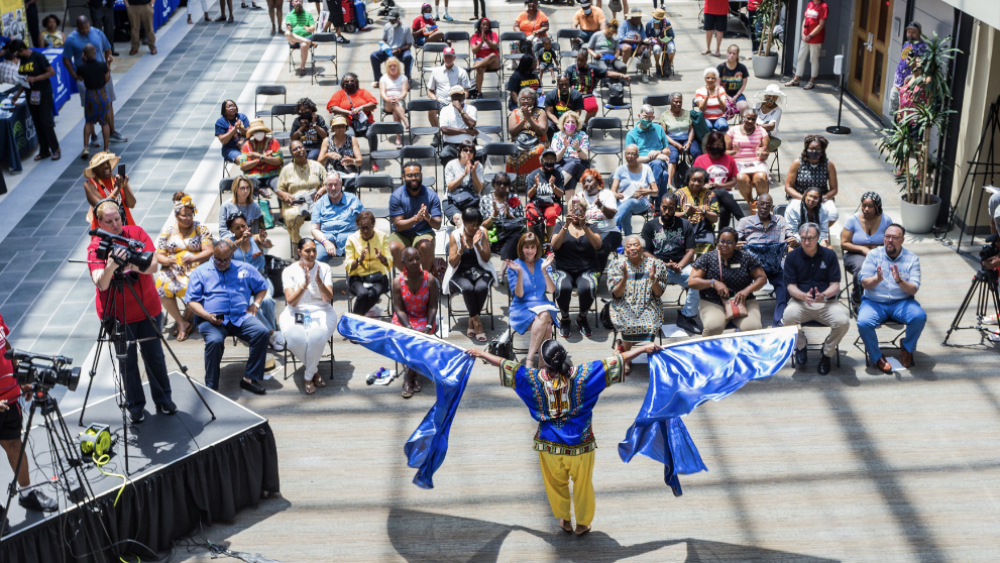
984	290
113	332
67	461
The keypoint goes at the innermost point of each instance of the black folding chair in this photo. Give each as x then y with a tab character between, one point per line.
817	345
268	90
657	101
573	35
317	39
384	129
435	49
421	106
427	157
486	106
598	145
496	149
506	38
280	111
604	93
460	36
373	181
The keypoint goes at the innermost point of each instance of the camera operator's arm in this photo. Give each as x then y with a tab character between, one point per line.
991	263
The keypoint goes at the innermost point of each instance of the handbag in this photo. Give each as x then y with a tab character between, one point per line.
464	199
526	142
498	348
733	311
273	266
605	315
265	212
359	121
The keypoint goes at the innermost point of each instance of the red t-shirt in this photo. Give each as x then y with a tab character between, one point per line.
752	5
815	11
717	7
145	289
486	50
720	170
9	389
421	22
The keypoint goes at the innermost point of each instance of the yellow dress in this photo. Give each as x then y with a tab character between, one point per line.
172	281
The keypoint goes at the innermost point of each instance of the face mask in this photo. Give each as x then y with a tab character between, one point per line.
645	123
259	136
351	88
716	150
814	155
548	165
570	127
427	15
587	11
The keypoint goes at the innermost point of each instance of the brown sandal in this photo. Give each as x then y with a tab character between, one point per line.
310	388
318	380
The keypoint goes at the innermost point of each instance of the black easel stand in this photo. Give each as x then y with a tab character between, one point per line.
982	168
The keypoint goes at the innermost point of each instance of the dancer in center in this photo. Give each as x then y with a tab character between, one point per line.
561	397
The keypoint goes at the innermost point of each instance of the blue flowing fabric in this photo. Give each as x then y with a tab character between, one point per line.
446	364
685	375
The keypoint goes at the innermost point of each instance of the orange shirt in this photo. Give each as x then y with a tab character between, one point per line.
104	188
528	26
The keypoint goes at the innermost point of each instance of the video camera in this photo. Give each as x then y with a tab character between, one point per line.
134	254
48	376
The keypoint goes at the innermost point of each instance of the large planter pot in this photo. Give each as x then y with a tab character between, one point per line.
763	66
919	218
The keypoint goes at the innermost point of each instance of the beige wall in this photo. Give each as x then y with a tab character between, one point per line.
982	86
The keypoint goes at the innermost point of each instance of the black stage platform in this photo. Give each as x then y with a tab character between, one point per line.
185	468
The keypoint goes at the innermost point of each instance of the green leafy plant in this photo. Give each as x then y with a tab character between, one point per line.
768	14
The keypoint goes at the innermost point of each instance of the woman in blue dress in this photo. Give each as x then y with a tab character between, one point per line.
529	281
248	250
561	397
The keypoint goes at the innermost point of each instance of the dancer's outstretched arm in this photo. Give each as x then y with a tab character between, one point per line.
486	357
650	348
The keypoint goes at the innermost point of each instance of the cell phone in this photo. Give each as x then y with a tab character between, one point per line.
121	169
222	317
299	318
254	228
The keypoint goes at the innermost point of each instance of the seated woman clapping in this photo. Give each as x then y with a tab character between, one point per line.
249	250
809	209
636	283
727	277
415	299
368	263
577	251
530	279
309	320
180	248
469	269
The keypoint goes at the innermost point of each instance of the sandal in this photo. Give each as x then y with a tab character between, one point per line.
416	385
585	531
318	380
183	335
562	526
792	82
310	388
481	336
301	72
41	156
407	390
809	86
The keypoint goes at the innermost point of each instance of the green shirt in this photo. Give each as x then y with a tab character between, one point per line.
300	22
675	125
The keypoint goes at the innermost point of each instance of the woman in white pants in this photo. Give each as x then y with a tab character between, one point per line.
204	8
308	321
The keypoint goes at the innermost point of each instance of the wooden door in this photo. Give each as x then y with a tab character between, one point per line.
870	52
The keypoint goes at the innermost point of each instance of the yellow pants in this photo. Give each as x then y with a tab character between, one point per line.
557	470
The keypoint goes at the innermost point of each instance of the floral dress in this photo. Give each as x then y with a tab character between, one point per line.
172	280
706	201
415	303
524	162
637	314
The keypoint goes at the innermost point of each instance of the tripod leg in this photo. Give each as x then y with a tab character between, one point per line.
12	489
961	310
101	339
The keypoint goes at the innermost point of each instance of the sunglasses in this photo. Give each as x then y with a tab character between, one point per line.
502	184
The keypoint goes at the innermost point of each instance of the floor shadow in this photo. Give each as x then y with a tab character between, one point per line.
421	537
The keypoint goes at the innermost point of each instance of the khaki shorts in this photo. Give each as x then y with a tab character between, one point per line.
410	242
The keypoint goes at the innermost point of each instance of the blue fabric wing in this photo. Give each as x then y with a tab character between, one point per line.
683	376
446	364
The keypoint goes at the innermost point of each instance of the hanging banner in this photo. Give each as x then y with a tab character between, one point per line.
13	21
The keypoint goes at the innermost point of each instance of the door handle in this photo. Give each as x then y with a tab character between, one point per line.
869	44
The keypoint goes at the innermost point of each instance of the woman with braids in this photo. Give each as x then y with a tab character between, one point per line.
809	210
309	127
863	232
814	169
561	397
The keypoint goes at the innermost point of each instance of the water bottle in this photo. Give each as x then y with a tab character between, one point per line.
306	319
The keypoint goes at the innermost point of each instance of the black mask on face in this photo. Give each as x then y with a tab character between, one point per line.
351	88
814	155
548	165
716	150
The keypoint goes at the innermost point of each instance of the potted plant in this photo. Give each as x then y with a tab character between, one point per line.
764	61
909	136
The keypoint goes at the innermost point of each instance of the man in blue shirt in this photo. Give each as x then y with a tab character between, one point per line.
225	295
333	218
85	35
654	149
631	36
415	213
891	277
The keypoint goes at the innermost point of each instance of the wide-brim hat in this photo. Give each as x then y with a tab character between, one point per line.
257	125
456	89
99	159
772	90
659	14
635	13
339	120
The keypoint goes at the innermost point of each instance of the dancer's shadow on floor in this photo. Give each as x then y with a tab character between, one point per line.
427	537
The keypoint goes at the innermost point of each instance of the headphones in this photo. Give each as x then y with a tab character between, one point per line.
121	210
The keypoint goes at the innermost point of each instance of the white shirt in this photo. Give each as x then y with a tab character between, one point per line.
449	117
443	79
393	87
773	117
293	277
608	200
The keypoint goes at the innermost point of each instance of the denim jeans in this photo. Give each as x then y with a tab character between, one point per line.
156	367
626	209
693	296
379	57
252	331
873	313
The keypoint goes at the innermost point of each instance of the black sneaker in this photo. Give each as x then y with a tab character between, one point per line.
167	408
343	40
802	356
824	365
252	386
584	327
564	327
37	500
136	416
690	325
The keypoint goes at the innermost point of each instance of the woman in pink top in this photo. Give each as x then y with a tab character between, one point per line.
721	169
748	145
486	51
712	101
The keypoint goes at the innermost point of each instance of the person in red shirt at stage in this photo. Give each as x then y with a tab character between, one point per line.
126	309
716	20
810	43
10	433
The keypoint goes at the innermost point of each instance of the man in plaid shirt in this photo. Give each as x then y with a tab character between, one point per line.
768	237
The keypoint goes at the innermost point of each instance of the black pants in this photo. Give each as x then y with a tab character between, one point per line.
585	288
45	124
476	4
103	17
31	14
473	293
153	360
728	208
852	266
366	297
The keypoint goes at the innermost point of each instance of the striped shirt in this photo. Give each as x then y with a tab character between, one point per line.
889	291
746	145
751	229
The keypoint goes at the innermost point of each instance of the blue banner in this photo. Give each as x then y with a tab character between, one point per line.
446	364
687	374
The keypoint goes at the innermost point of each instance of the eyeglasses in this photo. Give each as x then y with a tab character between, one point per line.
502	184
809	239
724	242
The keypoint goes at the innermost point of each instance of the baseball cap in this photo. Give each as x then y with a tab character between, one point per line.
448	51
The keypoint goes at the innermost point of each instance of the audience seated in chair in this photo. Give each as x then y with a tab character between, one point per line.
415	213
397	41
299	27
334	218
748	143
572	147
812	276
767	237
308	321
863	232
309	127
563	98
891	277
300	184
527	126
503	213
636	284
260	158
341	153
712	101
545	193
577	249
393	88
631	183
226	295
231	130
585	77
415	301
814	169
355	104
722	170
463	178
242	202
469	269
443	79
458	125
670	239
697	204
485	45
369	264
529	279
809	209
676	123
741	275
247	249
425	28
180	248
653	148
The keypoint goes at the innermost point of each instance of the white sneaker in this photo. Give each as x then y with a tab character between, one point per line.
990	320
374	312
277	341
